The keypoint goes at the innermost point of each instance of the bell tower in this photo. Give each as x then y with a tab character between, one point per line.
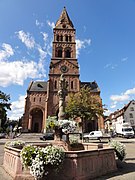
63	59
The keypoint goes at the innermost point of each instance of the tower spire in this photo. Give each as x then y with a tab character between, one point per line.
64	19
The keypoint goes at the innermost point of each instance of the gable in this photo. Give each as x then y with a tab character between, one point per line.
70	67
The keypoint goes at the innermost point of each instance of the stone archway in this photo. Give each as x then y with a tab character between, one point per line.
37	120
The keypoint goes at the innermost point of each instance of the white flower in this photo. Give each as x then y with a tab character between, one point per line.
39	158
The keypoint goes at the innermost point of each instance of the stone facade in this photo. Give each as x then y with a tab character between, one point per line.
42	97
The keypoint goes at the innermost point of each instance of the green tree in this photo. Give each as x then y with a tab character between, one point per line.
4	106
84	104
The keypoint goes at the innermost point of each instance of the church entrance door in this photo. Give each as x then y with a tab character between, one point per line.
37	120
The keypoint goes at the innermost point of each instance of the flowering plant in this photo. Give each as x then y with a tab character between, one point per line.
119	149
27	154
67	126
16	144
39	160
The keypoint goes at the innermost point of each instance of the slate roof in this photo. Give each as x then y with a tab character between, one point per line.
38	86
92	85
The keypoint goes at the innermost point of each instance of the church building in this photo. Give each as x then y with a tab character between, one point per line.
42	97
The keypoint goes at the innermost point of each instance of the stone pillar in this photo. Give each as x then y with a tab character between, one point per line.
62	93
30	123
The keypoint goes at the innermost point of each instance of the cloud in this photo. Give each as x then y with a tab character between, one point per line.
26	39
17	108
45	36
80	44
39	24
6	52
52	25
130	91
119	98
18	71
110	65
113	106
122	98
42	55
107	112
124	59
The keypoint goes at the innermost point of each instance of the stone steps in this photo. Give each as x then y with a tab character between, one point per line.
30	135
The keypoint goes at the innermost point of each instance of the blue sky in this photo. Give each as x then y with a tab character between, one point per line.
105	37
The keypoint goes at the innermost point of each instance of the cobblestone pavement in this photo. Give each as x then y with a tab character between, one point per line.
126	170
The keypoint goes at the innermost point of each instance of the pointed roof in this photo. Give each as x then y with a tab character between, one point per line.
64	20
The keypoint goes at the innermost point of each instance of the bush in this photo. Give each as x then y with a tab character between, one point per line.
28	153
41	160
16	144
119	149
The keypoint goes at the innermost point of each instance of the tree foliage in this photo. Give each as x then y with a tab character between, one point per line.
84	104
4	106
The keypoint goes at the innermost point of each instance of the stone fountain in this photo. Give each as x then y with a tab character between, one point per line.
84	164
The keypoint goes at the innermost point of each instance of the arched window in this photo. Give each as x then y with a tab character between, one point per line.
72	85
57	38
55	84
40	99
34	99
61	38
58	52
66	38
70	38
67	53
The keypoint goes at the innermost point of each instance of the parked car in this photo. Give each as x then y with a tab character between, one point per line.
47	136
96	135
93	135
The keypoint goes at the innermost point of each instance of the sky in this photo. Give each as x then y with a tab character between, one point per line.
105	44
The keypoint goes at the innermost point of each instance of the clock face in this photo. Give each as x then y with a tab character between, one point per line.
64	69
